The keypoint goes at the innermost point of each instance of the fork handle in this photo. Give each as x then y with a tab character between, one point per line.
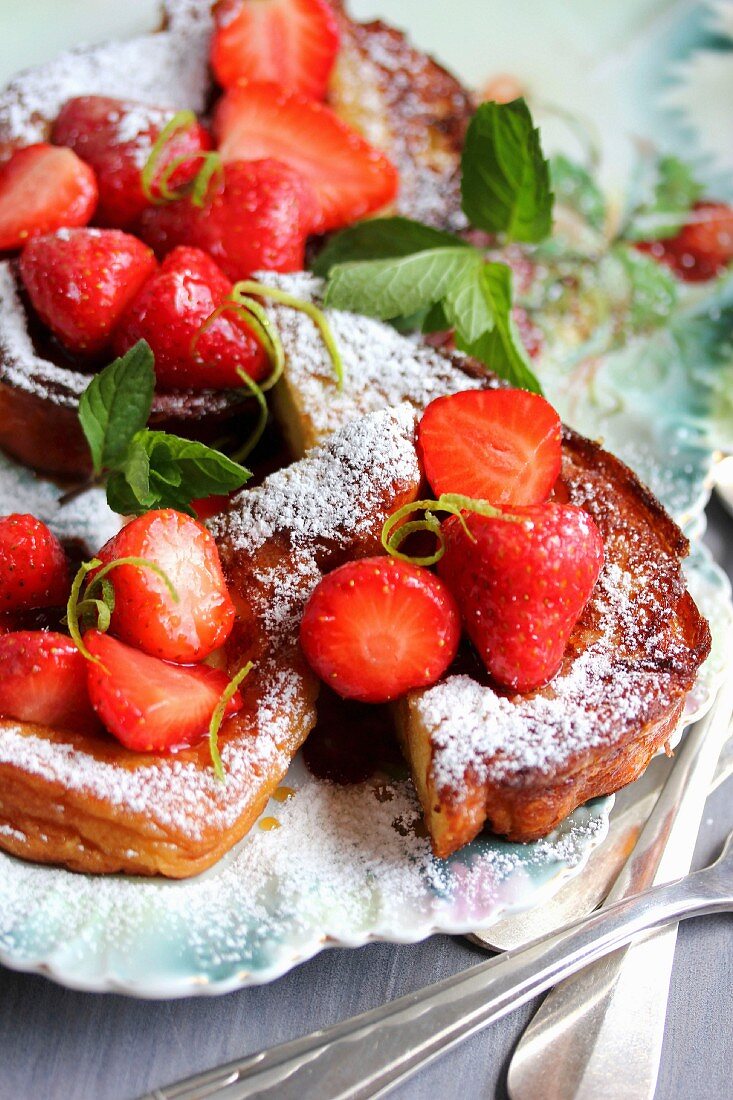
367	1055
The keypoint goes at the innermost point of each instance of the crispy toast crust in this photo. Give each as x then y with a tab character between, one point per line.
92	805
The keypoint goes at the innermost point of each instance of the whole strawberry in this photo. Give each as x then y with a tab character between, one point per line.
79	282
170	312
703	247
257	218
116	137
522	585
33	568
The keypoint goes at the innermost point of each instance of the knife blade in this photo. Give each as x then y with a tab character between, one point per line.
601	1032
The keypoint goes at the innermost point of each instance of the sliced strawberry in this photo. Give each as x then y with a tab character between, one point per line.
146	615
80	280
291	42
350	178
522	586
377	627
116	137
7	624
148	704
43	679
497	445
170	311
43	188
258	219
33	567
703	248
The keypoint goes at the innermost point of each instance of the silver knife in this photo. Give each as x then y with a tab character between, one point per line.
600	1033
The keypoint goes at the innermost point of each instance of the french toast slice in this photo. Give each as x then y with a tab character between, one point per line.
92	805
421	131
522	763
519	764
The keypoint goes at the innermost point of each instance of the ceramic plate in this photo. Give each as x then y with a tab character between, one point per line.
343	866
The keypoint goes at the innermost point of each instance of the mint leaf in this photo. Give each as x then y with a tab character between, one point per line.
116	404
506	179
190	467
381	239
135	468
398	287
576	189
499	347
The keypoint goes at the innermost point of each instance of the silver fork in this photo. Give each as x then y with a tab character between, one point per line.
371	1053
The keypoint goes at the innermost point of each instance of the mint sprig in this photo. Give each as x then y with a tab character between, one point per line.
674	192
422	279
146	469
505	183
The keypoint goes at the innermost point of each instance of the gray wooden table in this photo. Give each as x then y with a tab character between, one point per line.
60	1045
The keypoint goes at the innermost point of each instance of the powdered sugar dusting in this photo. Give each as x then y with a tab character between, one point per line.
167	69
334	496
381	366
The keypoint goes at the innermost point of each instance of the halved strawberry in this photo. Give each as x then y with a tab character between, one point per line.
522	586
170	311
33	567
116	136
377	627
497	445
80	280
146	615
703	248
257	219
291	42
43	188
350	177
43	679
148	704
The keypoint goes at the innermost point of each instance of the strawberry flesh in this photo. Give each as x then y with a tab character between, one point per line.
170	312
146	615
116	137
80	281
43	188
257	219
33	567
43	680
349	177
503	446
522	586
148	704
375	628
291	42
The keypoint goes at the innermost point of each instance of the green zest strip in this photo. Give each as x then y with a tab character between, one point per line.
218	717
394	532
242	293
199	187
78	609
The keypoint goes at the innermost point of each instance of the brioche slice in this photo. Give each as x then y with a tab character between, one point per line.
521	764
92	805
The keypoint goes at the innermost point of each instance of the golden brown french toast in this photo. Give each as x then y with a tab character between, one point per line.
520	764
477	756
89	803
